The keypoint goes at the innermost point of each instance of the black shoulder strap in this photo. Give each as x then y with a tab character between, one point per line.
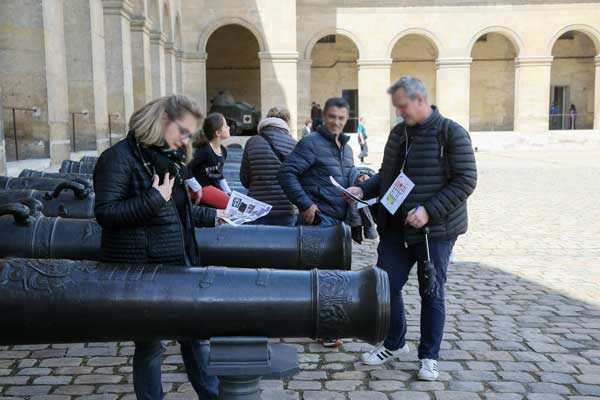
442	141
279	156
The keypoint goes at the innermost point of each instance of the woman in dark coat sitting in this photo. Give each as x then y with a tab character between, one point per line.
263	155
146	216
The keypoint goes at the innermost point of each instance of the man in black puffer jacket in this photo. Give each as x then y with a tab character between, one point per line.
437	156
304	176
263	156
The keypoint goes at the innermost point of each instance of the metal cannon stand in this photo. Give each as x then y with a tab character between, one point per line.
241	362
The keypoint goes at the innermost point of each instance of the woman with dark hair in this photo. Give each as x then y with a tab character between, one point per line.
210	155
146	215
572	116
263	156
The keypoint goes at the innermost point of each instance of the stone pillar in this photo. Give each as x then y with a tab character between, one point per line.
141	61
157	46
304	92
597	95
453	83
86	73
194	78
56	80
532	94
117	30
2	142
170	68
279	83
179	71
373	100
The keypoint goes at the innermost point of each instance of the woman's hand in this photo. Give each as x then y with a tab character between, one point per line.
166	188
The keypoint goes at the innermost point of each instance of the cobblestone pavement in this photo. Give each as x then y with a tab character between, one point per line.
523	304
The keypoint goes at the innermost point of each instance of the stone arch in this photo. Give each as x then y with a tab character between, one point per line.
178	42
334	56
233	67
414	31
508	33
153	14
590	31
493	80
167	24
573	78
331	31
212	27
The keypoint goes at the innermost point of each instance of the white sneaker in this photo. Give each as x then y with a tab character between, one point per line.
429	370
380	355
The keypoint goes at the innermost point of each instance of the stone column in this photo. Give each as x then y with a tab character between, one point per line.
170	68
453	83
179	73
86	73
194	78
532	94
157	46
141	61
597	95
56	80
373	100
304	92
279	83
2	142
117	30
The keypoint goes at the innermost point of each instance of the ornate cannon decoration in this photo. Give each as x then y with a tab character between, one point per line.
68	200
38	183
60	301
30	173
248	246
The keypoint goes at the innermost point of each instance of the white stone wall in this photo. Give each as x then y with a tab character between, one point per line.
151	47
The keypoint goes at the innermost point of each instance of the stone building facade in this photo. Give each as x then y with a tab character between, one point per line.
491	65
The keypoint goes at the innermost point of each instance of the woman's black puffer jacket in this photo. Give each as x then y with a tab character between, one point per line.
138	225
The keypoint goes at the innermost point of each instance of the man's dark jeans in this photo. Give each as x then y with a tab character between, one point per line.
397	260
147	374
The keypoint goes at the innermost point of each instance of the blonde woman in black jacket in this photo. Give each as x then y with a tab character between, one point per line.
143	206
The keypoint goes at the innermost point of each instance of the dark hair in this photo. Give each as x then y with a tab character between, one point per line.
212	123
339	102
279	112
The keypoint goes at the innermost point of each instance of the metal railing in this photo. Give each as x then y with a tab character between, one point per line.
35	112
563	122
73	113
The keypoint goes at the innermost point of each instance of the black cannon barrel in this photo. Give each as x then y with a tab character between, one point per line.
248	246
59	301
89	159
26	173
8	182
69	200
36	236
302	247
77	167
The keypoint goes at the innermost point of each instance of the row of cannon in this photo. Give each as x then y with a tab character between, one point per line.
263	282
